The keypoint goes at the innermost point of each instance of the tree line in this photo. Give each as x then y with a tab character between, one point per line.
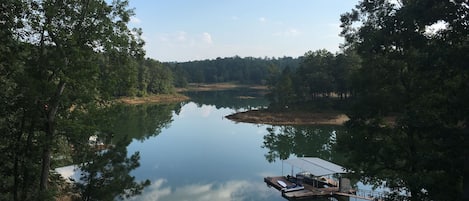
320	74
248	70
291	80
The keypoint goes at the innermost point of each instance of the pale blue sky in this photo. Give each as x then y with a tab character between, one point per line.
184	30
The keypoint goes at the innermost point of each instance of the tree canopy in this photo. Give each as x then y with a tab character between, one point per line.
409	118
320	74
248	70
58	61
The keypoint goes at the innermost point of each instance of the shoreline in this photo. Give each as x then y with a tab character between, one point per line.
262	116
178	97
159	98
218	87
289	117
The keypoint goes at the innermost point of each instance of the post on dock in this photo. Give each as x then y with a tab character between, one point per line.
344	185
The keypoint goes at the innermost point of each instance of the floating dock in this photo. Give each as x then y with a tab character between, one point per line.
310	192
315	185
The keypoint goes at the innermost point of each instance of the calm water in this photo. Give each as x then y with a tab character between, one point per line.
191	152
202	156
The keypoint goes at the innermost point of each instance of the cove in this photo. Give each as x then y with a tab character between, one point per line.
190	151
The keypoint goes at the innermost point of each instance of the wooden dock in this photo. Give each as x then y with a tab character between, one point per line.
309	191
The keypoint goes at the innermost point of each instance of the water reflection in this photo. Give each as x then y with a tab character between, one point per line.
203	156
317	141
229	190
106	174
238	99
138	121
283	142
105	168
412	162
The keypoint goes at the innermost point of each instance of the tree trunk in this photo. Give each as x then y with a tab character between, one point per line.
27	157
49	138
46	155
412	184
17	157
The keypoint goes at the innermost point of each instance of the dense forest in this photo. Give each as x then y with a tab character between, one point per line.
60	63
246	70
321	75
410	97
291	81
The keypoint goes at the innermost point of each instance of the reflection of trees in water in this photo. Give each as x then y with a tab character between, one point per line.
413	162
136	121
106	173
230	98
378	155
317	141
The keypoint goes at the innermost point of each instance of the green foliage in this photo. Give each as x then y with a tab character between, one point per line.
159	78
247	70
58	60
315	74
281	91
180	76
320	75
419	78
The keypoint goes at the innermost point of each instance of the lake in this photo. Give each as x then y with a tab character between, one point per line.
189	151
203	156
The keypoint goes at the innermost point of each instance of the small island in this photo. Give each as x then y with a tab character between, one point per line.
265	116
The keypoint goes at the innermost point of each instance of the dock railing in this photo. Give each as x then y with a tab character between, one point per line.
370	194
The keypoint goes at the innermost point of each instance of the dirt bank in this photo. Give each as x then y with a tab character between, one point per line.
163	98
218	87
289	117
171	98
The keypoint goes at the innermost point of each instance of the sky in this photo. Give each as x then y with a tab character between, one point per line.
188	30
